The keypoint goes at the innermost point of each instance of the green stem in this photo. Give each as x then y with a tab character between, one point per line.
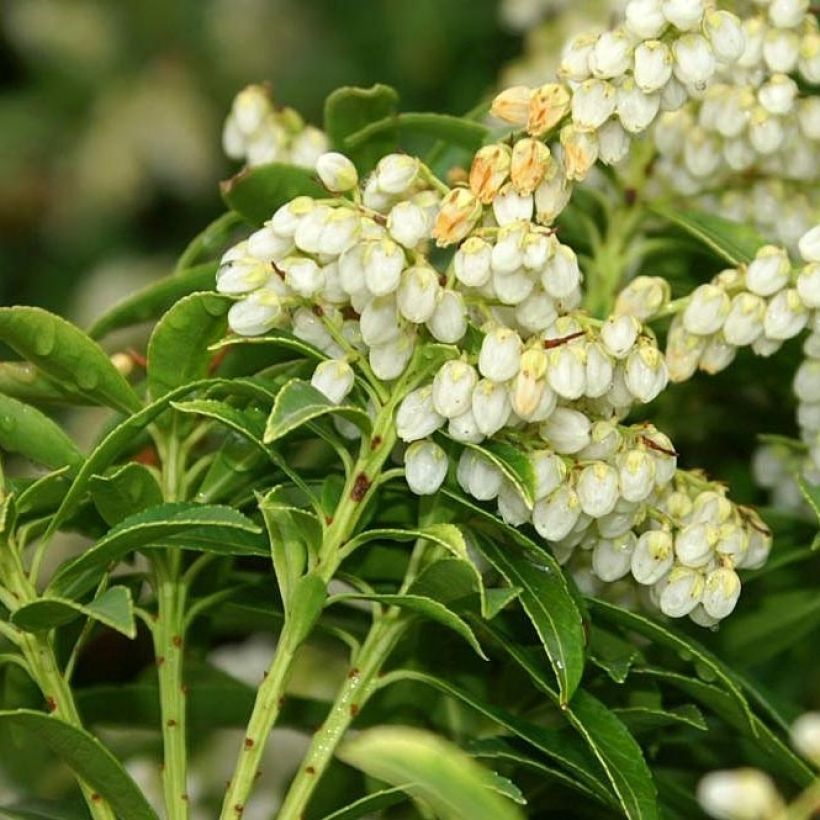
209	241
169	640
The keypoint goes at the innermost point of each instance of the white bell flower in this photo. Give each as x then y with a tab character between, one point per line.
425	467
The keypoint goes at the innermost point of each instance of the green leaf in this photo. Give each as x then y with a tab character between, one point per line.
130	489
735	242
669	637
288	547
549	606
440	774
445	127
811	492
86	757
298	402
609	740
42	810
426	607
45	493
33	435
513	463
114	608
64	353
306	604
25	382
276	338
256	193
212	239
350	109
188	525
178	349
613	654
366	806
647	718
152	301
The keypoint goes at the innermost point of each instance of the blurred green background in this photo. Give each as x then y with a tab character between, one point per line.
111	115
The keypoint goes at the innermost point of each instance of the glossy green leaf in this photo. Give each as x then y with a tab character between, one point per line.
275	338
178	349
126	491
64	353
350	109
86	757
153	300
668	636
548	604
305	607
647	718
735	242
209	241
439	773
366	806
513	463
426	607
45	493
256	193
27	431
188	525
298	402
445	127
114	608
25	382
288	548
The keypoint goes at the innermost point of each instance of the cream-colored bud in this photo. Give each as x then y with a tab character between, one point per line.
459	212
531	162
549	104
512	105
489	171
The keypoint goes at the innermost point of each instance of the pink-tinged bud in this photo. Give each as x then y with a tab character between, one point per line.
459	212
580	151
549	104
489	171
531	162
512	105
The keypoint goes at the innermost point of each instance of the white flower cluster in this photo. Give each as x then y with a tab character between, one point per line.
256	132
753	123
613	85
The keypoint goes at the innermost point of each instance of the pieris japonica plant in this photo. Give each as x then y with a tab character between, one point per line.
396	413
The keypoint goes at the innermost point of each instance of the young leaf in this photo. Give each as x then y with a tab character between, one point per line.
455	786
426	607
86	757
288	548
549	606
349	109
114	608
194	526
128	490
298	402
33	435
735	242
178	349
64	353
256	193
152	301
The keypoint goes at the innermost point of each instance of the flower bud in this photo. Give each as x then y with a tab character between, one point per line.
554	516
269	246
453	388
653	66
611	55
580	151
636	474
448	323
472	262
809	63
809	245
575	58
500	357
389	360
805	736
337	172
464	428
694	544
512	105
416	417
383	263
769	271
619	334
425	467
593	103
566	371
479	476
613	142
643	297
511	506
786	315
682	592
766	132
599	371
379	321
491	407
788	13
611	557
459	212
694	60
407	224
725	34
636	110
241	274
707	310
808	285
529	384
551	197
598	489
308	327
333	379
417	294
550	472
566	430
561	276
509	206
652	557
646	374
781	50
549	104
531	162
256	314
395	173
489	171
250	107
744	323
605	440
645	19
717	355
683	14
303	275
721	591
741	794
308	232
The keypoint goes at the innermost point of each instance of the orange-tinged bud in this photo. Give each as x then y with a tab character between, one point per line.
489	171
531	162
459	212
580	151
512	105
548	106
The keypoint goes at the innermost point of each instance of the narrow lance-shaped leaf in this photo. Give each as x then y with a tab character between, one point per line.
128	490
288	549
366	806
25	382
86	757
442	775
67	355
114	608
445	127
27	431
